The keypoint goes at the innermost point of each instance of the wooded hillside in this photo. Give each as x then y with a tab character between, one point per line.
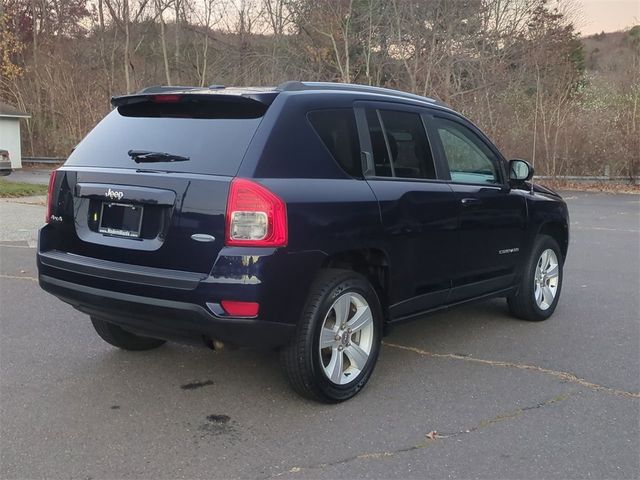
517	68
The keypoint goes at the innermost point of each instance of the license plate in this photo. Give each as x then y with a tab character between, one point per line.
121	219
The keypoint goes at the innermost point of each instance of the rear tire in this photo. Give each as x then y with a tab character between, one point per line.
119	337
337	340
539	289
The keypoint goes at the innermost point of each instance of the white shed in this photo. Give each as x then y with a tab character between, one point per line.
10	132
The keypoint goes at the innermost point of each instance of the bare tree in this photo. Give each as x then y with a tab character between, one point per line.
204	19
160	7
121	15
512	66
177	4
338	31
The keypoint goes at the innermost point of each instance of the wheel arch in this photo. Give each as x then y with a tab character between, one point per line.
372	263
559	232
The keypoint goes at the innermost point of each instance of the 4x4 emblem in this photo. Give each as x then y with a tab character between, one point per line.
113	194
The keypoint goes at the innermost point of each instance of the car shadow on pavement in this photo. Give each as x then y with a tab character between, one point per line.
173	370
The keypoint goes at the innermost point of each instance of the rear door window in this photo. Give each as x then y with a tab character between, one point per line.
400	145
337	130
213	145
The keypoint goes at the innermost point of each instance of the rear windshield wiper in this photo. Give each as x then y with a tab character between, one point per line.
145	156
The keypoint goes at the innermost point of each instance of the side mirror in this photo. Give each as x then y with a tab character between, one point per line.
520	170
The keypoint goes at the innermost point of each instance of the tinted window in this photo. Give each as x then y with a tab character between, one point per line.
214	146
400	146
338	131
381	156
469	158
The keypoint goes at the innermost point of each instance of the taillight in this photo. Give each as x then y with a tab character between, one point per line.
255	216
52	181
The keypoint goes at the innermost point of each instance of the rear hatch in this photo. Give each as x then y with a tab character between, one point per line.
148	186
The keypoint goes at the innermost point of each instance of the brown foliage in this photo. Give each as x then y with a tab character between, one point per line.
515	67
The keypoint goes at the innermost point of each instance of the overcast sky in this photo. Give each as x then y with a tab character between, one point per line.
607	15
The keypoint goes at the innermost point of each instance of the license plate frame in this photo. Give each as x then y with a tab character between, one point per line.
129	225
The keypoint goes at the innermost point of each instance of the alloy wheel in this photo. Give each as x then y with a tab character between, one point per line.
546	279
346	338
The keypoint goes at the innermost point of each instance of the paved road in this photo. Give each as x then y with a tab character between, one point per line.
510	399
20	219
39	176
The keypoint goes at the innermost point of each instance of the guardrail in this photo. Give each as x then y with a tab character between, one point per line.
590	179
43	160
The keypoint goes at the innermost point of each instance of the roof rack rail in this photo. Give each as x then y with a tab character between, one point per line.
165	88
293	86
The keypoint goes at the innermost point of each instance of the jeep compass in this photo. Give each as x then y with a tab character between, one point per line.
309	217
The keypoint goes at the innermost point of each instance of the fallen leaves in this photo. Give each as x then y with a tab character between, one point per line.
433	435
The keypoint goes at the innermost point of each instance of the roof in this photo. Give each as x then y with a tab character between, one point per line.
350	87
7	110
211	89
284	87
267	94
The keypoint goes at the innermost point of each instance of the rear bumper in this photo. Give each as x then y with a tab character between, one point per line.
185	306
167	319
5	168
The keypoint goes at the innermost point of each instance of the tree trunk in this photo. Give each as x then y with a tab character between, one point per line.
127	41
347	51
205	51
108	79
36	75
177	5
163	41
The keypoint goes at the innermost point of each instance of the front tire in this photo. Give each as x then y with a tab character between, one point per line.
119	337
337	340
539	289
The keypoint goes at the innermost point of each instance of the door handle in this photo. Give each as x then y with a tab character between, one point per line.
467	202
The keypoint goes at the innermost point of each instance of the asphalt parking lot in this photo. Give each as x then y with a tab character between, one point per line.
509	399
38	176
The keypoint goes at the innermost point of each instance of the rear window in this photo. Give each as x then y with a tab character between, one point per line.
213	145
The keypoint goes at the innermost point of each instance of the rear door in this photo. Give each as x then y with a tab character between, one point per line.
492	218
167	209
419	211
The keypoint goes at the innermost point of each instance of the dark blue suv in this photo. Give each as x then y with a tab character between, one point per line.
310	217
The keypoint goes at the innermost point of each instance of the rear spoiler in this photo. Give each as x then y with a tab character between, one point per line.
248	97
